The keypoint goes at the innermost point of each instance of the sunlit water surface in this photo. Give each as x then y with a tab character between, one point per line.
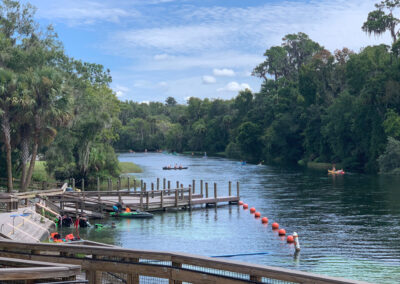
349	226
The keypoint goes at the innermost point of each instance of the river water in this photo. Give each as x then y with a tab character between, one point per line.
348	226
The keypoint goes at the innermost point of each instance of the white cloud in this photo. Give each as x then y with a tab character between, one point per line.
234	87
174	38
224	72
82	12
120	91
162	56
163	86
208	79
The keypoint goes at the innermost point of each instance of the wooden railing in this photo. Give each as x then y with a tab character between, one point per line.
130	265
17	269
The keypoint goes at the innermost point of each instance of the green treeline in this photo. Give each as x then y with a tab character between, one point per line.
51	105
313	106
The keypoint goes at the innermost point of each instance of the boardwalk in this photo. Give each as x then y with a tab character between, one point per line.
93	203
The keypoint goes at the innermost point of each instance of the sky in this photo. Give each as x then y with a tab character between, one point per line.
195	48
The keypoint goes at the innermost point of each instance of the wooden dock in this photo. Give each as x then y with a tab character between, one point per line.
95	203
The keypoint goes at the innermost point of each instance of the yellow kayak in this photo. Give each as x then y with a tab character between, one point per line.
337	172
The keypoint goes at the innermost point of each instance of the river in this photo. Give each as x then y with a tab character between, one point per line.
348	226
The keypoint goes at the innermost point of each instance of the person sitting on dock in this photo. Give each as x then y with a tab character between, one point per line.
180	166
176	166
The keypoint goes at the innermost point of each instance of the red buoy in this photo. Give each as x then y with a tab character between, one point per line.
252	210
245	206
275	226
264	220
240	202
282	232
290	239
257	215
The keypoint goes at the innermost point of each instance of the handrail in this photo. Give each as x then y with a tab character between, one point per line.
171	265
31	270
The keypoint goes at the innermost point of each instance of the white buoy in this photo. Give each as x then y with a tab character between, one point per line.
296	241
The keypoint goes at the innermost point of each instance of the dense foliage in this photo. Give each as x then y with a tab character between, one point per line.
313	106
51	104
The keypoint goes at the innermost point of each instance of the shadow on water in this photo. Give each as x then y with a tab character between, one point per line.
348	225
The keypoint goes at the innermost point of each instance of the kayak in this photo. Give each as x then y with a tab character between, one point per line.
166	168
132	214
338	172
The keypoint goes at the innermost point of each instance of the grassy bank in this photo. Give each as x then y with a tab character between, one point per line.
40	174
129	167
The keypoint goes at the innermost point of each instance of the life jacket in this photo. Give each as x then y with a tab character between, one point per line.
69	237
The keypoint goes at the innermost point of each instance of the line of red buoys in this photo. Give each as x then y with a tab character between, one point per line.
264	220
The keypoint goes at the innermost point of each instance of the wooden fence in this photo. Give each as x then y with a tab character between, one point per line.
133	266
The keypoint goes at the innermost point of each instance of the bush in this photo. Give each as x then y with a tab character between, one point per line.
389	161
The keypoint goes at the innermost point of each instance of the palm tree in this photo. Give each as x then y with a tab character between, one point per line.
49	109
8	90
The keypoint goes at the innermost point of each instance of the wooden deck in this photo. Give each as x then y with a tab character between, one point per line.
94	203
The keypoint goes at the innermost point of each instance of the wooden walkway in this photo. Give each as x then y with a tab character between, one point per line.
94	203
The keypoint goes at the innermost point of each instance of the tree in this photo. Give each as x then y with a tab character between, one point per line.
389	161
170	101
8	90
381	20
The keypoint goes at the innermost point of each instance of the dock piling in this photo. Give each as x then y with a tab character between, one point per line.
206	189
230	188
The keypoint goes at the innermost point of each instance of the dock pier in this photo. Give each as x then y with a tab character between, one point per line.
95	203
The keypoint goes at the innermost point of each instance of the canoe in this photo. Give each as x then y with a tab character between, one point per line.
131	214
338	172
166	168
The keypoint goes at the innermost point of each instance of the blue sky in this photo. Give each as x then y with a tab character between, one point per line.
195	48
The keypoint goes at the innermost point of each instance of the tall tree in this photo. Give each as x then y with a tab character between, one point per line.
382	19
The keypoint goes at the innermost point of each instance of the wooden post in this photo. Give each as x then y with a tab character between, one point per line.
147	200
178	266
215	193
176	197
190	197
141	200
237	188
193	186
163	183
144	187
206	189
158	183
129	185
201	188
230	188
182	193
177	184
119	190
169	187
141	185
98	188
73	184
152	190
83	185
132	278
162	199
134	185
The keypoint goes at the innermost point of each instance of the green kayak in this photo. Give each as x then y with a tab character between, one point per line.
135	214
